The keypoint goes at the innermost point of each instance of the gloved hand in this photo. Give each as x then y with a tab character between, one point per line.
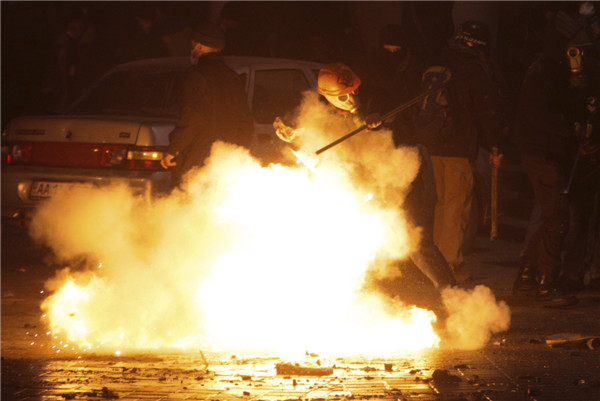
373	120
284	132
167	161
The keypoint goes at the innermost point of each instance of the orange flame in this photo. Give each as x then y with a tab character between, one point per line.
248	258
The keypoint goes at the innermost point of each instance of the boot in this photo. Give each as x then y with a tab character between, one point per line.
526	282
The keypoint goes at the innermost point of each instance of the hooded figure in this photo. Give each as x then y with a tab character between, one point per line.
214	106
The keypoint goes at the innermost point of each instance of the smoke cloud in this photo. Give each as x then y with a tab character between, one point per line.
200	266
473	317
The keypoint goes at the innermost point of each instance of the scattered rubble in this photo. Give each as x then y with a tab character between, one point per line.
441	376
286	368
573	340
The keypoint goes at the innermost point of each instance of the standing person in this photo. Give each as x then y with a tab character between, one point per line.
339	85
467	112
143	39
214	106
394	66
582	244
554	99
543	136
70	68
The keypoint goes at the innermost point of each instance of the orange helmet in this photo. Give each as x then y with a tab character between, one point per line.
337	79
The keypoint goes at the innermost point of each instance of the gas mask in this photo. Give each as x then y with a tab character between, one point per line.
583	49
347	102
584	64
575	56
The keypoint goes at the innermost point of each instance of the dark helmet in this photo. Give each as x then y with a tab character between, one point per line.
473	34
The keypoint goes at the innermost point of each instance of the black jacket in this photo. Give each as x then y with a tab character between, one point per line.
214	108
542	126
478	112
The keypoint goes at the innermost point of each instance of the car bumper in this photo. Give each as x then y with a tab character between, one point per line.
17	182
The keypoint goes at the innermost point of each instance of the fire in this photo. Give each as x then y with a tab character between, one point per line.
260	258
250	258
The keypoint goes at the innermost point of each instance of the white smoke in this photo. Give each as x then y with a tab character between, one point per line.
238	232
473	317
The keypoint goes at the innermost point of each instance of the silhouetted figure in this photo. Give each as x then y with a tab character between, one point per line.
551	102
468	112
214	106
69	69
142	39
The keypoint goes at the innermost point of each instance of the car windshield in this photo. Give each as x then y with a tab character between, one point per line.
135	92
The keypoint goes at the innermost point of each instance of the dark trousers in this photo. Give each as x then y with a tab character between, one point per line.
583	239
543	250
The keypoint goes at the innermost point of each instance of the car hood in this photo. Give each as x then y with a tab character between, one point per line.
91	129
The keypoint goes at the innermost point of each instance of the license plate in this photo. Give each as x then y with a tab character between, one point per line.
47	189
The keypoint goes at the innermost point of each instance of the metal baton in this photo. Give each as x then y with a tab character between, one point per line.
389	114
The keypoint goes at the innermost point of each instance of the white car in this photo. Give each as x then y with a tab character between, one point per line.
119	129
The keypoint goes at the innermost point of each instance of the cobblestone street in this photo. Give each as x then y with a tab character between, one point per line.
514	365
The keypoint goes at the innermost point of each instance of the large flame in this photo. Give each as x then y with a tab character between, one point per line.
248	258
256	258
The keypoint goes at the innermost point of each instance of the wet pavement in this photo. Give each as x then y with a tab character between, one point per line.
515	365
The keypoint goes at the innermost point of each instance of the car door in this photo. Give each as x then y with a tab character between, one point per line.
275	91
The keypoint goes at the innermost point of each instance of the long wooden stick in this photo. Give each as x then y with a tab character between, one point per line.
494	199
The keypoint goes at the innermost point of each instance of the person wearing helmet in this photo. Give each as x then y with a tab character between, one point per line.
338	84
467	113
473	34
348	95
339	87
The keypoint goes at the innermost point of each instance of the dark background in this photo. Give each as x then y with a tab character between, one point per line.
317	31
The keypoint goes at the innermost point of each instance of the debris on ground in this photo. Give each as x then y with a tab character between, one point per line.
286	368
573	340
106	393
441	376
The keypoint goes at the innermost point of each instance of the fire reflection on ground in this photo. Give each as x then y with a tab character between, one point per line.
233	376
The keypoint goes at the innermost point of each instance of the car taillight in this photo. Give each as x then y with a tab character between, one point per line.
144	158
16	153
82	155
134	158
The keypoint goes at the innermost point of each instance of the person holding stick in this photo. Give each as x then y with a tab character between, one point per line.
368	107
